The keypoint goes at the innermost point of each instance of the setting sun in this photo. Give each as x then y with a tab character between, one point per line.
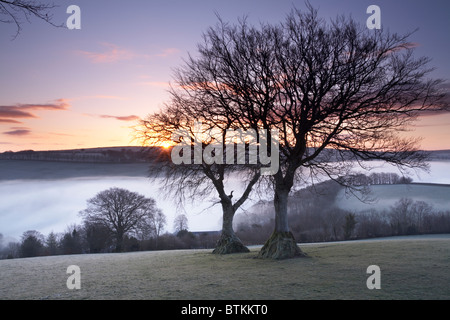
166	144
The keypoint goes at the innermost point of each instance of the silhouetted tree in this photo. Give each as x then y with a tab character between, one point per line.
98	237
151	226
180	223
32	244
51	244
119	210
338	94
71	241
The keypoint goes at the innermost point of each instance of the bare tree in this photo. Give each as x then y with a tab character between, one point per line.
156	221
180	223
151	226
119	210
13	11
337	92
197	179
345	89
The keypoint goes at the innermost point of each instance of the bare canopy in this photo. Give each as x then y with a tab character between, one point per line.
13	11
120	211
337	93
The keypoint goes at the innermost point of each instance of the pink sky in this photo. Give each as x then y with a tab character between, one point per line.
63	89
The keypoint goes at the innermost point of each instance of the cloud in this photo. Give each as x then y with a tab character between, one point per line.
167	52
26	110
121	118
158	84
112	53
9	121
403	46
18	131
61	104
14	112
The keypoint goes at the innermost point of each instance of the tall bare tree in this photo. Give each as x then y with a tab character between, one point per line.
346	89
337	92
14	11
119	210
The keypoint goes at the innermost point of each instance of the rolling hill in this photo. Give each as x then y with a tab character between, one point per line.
382	197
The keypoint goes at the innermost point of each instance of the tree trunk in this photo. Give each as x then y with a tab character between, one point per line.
281	244
119	245
228	241
119	241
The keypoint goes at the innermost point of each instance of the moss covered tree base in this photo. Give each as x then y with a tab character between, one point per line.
281	245
229	244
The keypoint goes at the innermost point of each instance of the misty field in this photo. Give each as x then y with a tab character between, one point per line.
412	268
382	197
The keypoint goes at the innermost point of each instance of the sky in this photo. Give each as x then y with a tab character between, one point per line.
88	87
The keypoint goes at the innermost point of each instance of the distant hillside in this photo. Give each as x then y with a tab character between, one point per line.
440	155
382	197
134	155
110	154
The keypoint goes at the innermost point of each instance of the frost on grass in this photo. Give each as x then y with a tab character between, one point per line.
332	271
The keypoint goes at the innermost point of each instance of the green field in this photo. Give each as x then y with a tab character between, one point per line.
382	197
414	268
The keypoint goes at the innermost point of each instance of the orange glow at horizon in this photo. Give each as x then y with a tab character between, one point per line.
167	144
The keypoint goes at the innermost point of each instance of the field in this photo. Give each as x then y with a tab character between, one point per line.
411	268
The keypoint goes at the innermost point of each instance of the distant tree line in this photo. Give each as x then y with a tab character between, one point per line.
85	239
377	178
115	220
315	218
115	155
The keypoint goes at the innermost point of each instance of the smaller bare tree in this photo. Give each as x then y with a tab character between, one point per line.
119	210
180	223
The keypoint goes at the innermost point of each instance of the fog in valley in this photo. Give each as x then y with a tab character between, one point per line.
49	205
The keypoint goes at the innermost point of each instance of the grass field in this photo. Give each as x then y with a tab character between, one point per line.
410	269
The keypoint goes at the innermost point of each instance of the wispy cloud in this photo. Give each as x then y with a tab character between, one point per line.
121	118
10	121
18	131
60	134
8	114
167	52
403	46
112	53
14	112
158	84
